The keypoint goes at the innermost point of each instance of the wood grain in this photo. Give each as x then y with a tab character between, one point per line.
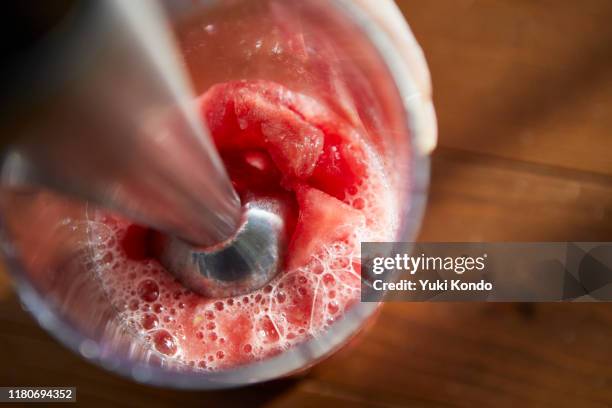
523	91
528	80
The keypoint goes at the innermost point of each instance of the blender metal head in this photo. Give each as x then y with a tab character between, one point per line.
127	137
243	263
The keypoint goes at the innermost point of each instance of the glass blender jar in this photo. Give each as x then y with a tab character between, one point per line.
335	51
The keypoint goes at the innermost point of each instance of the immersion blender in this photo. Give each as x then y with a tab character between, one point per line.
102	110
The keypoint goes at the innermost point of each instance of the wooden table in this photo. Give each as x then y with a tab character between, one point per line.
523	91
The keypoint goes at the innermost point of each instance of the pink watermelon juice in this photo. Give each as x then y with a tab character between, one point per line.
273	141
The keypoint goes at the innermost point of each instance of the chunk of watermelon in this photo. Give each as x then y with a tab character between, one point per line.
306	141
257	114
294	144
322	220
340	166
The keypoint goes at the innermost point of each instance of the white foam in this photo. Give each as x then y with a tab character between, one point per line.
328	282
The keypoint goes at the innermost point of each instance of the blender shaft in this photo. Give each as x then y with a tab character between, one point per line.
109	117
